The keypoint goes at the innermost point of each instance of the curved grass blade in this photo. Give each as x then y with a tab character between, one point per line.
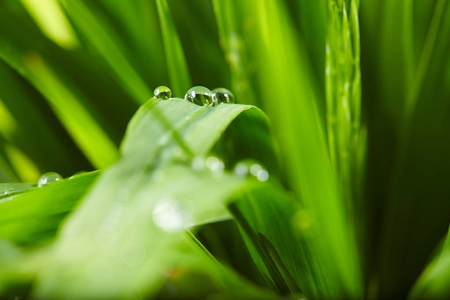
433	283
108	45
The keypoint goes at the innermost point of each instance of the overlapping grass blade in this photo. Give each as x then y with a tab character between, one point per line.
116	216
136	24
27	128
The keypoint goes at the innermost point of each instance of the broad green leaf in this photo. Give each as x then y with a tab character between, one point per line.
136	24
176	62
91	138
29	215
119	223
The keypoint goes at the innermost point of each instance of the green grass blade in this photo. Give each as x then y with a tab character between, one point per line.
29	216
52	21
91	138
108	45
433	282
176	62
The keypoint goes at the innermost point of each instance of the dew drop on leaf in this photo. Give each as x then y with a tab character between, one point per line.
222	95
162	92
49	178
199	95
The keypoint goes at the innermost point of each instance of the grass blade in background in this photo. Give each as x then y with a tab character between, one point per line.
30	122
176	62
433	282
33	216
287	79
407	179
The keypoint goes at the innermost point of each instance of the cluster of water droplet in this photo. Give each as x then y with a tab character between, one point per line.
203	96
244	168
199	95
49	178
247	168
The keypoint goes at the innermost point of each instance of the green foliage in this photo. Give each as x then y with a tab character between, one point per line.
353	137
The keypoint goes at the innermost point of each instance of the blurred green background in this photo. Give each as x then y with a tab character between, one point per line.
357	98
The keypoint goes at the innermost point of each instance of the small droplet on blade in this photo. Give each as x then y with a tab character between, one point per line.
49	178
222	95
162	92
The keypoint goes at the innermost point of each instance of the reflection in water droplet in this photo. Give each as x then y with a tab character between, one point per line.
49	178
222	95
170	217
198	164
215	164
199	95
162	92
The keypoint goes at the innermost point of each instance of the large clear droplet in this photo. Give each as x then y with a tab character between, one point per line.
199	95
49	178
222	95
162	92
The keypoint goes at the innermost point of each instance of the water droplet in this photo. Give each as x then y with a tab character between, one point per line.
49	178
215	164
262	175
199	95
170	217
222	95
162	92
255	169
